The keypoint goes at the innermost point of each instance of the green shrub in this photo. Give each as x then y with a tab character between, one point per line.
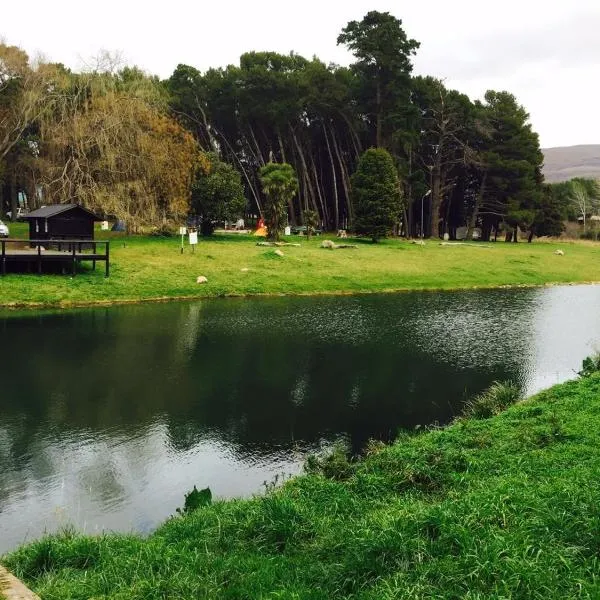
590	365
196	499
498	397
375	194
333	465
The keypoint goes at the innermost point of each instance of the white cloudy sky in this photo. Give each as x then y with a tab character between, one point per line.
547	52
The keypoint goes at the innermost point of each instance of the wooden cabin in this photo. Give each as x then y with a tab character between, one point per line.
61	222
61	237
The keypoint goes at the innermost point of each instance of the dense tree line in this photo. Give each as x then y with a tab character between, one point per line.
460	163
132	146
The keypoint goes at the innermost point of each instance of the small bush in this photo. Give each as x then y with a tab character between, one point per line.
333	465
497	398
590	365
196	499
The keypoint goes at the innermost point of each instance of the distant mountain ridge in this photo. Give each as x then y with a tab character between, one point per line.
566	162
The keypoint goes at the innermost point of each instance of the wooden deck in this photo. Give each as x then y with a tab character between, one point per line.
34	254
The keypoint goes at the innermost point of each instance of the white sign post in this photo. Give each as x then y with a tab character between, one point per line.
193	238
182	232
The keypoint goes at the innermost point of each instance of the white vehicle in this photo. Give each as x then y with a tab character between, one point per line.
3	230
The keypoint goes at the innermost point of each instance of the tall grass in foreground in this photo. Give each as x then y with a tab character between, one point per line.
504	507
496	399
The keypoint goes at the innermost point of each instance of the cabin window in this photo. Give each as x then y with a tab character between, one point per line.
37	226
45	225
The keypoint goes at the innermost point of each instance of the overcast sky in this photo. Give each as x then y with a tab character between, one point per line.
546	52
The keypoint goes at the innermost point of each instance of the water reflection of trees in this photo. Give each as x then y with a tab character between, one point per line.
259	375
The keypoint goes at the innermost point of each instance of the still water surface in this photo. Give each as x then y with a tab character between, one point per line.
108	416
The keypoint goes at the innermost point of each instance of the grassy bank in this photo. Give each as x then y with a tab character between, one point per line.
504	507
145	268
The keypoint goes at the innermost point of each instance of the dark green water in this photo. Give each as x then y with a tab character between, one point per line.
108	416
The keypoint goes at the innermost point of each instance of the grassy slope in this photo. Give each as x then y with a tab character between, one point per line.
506	507
146	268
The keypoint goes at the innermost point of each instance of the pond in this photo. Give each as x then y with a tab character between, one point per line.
109	415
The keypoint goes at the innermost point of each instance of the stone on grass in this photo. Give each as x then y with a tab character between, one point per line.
279	252
559	252
244	270
327	244
201	279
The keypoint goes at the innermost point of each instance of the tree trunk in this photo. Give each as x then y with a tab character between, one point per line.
306	175
353	136
344	172
259	153
516	234
323	211
406	225
281	149
379	140
436	201
14	194
478	203
206	227
336	202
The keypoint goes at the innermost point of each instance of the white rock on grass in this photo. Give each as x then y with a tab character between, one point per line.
201	279
279	252
559	252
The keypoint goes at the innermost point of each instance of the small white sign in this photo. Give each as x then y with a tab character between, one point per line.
104	226
287	231
193	238
182	230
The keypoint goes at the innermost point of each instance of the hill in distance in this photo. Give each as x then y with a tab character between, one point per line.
564	163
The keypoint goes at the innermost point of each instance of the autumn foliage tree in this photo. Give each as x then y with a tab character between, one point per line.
109	144
26	93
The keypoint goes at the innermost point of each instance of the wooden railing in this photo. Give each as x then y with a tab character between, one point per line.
73	251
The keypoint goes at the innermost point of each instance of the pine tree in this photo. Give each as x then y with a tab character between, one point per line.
375	194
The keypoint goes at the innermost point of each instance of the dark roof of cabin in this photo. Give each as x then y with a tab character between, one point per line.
53	210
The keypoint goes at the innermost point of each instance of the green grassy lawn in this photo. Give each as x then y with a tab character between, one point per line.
144	268
504	507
